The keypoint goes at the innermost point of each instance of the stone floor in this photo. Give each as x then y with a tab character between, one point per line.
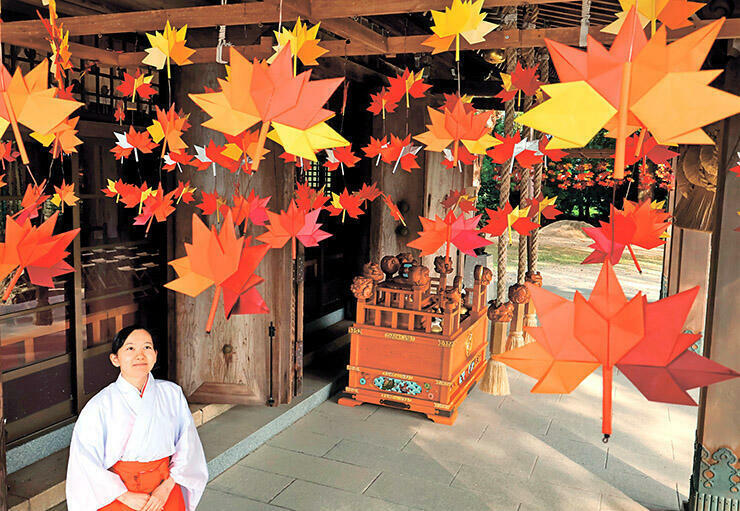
520	452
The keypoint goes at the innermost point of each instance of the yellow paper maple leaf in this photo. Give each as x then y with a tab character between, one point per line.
303	44
463	18
166	46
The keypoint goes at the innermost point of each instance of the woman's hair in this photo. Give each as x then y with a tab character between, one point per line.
123	334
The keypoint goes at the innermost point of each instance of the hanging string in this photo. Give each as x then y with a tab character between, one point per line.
280	17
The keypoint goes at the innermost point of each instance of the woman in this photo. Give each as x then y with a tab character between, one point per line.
135	445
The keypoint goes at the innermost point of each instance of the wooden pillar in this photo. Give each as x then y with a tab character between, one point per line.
717	448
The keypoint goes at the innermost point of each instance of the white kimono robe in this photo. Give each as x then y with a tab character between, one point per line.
119	424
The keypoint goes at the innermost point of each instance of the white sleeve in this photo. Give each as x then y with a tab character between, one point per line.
90	485
188	465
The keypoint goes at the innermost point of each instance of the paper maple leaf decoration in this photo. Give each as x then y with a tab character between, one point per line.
176	159
270	94
62	138
507	218
368	193
132	141
643	340
345	204
302	42
59	41
184	192
291	225
407	84
637	83
672	13
169	126
213	203
637	149
459	231
395	212
514	147
224	260
138	84
65	194
553	154
307	198
522	81
158	205
166	46
340	157
242	148
463	18
32	200
2	180
119	115
252	208
637	224
27	100
36	250
383	101
458	198
7	153
458	123
543	206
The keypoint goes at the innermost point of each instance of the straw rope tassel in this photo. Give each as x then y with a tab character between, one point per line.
495	380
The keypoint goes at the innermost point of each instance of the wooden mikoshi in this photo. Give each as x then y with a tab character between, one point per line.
416	345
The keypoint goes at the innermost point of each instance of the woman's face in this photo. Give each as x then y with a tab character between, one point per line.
137	355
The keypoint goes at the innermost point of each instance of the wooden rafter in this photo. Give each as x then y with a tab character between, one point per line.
396	45
234	14
412	44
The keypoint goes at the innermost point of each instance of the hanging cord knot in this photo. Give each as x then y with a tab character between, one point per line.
222	42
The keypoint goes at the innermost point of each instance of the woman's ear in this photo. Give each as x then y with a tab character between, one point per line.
114	360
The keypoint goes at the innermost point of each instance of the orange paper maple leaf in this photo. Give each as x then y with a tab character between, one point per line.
36	250
28	101
293	225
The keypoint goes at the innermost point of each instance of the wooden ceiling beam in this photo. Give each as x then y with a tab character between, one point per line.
396	45
246	13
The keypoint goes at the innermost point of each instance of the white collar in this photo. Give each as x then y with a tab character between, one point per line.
128	389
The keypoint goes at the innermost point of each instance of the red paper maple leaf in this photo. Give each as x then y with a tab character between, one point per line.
213	203
523	79
382	102
7	153
119	115
503	219
395	212
407	84
375	147
553	154
178	159
2	180
343	156
456	230
639	225
129	86
393	153
157	206
184	192
293	225
252	208
644	340
636	150
513	147
368	192
345	203
36	250
308	199
31	202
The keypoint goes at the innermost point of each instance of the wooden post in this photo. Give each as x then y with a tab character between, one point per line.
718	437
